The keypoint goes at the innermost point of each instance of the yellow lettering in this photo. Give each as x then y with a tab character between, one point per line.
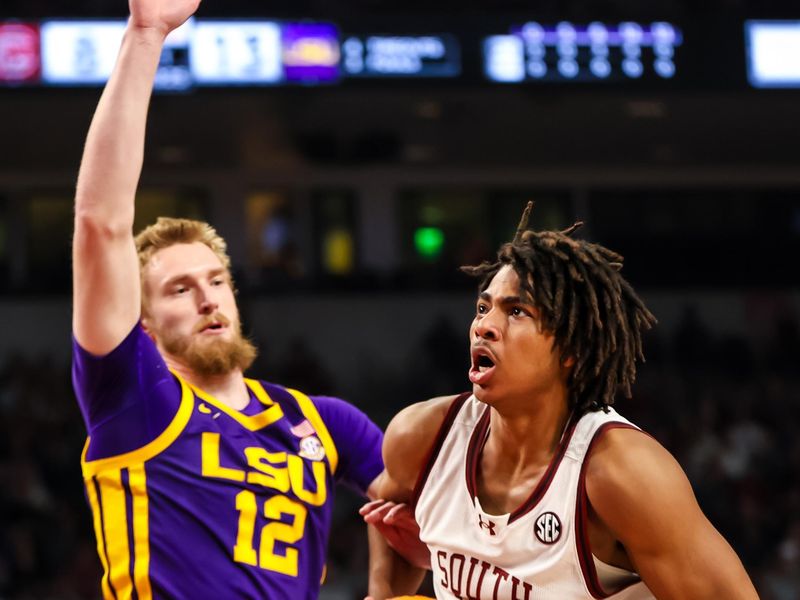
211	466
269	475
296	475
243	551
282	532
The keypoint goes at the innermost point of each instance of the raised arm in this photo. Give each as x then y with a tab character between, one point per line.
106	283
640	493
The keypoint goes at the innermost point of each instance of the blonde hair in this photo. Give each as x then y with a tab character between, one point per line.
168	231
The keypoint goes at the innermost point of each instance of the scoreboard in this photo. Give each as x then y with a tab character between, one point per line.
572	52
260	52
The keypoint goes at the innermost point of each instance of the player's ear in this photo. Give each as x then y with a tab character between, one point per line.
568	362
146	327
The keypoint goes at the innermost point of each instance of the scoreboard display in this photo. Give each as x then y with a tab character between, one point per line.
258	52
235	53
773	53
403	56
565	52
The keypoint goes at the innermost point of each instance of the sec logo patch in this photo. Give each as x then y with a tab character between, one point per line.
311	448
548	528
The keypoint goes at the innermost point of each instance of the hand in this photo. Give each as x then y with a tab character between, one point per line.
161	15
397	524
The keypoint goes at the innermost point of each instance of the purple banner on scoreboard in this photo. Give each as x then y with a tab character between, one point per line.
310	52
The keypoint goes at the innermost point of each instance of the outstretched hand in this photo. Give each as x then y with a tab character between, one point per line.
161	15
397	524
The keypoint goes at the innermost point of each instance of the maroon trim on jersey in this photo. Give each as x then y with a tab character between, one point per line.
544	483
433	453
582	519
476	443
478	440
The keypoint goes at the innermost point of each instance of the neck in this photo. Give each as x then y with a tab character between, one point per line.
527	435
230	388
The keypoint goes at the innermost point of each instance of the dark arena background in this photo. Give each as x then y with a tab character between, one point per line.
355	153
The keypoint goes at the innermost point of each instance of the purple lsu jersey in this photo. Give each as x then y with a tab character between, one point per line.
193	499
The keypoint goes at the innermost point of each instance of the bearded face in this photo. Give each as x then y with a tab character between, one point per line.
209	355
190	311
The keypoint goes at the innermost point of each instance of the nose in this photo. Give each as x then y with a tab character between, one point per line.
207	302
486	329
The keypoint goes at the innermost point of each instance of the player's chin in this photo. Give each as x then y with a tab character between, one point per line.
484	393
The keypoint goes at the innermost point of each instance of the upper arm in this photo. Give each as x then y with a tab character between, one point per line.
127	397
106	283
357	439
406	446
642	495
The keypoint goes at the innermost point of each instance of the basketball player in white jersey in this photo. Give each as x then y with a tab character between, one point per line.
532	487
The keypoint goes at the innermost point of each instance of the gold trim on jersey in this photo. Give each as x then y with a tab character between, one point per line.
149	450
115	526
91	494
110	512
251	422
141	531
310	412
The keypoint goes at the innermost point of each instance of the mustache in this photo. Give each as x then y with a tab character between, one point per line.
210	320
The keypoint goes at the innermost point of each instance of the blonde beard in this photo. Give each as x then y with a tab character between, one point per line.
209	358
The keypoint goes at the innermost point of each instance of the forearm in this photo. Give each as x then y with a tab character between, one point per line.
389	574
113	155
105	267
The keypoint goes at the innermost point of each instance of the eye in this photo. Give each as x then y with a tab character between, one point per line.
516	311
482	309
181	289
217	281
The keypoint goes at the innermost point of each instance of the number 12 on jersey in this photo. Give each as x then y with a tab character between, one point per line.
244	552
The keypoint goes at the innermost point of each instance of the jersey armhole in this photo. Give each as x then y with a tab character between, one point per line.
585	559
438	441
149	450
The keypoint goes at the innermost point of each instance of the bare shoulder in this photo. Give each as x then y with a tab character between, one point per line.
642	496
629	473
409	438
623	452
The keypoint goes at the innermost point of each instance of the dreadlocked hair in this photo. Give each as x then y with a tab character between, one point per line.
583	300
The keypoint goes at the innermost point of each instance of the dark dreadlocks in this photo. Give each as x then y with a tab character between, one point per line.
582	299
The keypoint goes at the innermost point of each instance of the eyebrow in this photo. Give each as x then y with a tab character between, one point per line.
215	272
503	300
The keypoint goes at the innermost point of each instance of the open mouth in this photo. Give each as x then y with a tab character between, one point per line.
484	363
483	366
216	325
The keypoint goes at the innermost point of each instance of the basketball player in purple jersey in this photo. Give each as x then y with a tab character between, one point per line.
532	486
202	483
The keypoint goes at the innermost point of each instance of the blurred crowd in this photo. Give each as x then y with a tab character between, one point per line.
727	407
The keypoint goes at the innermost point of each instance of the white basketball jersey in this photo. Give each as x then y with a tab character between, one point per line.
539	551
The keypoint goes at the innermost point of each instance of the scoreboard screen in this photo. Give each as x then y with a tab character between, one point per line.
727	54
20	59
595	52
401	56
773	53
236	53
79	52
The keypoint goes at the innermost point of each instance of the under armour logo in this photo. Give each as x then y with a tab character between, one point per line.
486	525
